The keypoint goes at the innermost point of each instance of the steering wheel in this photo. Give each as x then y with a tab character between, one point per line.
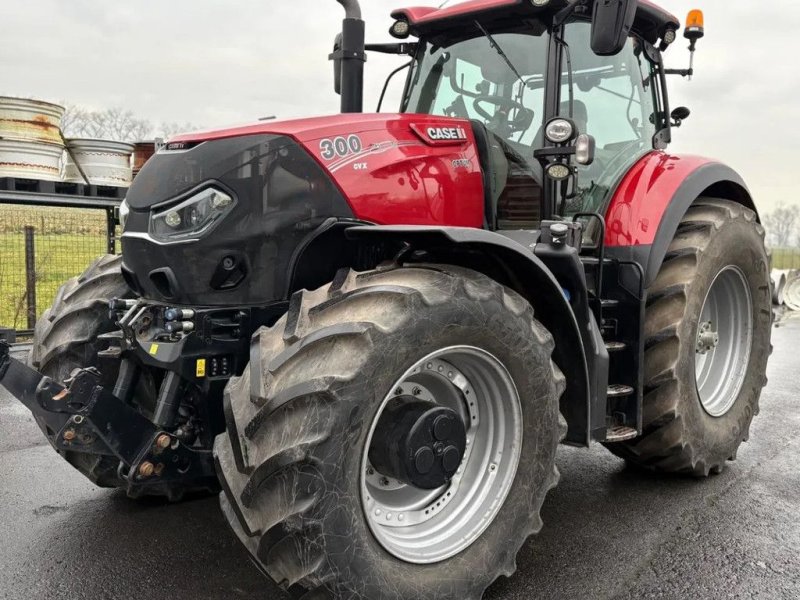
521	122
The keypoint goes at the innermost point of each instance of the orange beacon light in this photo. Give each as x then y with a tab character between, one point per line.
694	26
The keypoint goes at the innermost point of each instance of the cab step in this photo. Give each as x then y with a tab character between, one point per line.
616	346
620	433
618	390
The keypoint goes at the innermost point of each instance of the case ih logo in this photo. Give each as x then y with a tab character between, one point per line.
436	135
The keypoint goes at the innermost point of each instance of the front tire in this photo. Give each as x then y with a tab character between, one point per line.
300	417
66	338
707	326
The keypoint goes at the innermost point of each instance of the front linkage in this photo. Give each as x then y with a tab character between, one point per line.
156	456
85	417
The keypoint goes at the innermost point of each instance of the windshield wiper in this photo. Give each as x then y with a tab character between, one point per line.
499	50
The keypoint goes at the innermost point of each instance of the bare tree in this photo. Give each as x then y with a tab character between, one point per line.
121	125
168	130
115	124
782	226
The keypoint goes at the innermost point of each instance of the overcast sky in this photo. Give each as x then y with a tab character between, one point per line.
215	62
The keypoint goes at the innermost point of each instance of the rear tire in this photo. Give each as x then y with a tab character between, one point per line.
687	428
300	416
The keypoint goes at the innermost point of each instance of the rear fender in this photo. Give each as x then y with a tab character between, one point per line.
652	199
515	266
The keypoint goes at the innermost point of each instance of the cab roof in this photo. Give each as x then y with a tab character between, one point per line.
651	20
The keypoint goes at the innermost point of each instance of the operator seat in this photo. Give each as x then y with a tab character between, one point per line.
580	114
494	165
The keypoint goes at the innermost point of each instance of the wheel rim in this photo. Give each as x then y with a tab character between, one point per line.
427	526
724	340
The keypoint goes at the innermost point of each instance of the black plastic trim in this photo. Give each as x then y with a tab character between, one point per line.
526	274
713	179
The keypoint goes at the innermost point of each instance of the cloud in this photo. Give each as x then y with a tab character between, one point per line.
215	62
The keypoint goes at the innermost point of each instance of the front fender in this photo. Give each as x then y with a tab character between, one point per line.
515	266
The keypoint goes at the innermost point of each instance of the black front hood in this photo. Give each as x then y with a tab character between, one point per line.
282	195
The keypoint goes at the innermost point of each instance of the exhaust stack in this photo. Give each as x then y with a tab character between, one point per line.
349	57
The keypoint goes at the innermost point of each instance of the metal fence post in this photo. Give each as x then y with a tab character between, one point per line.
30	275
111	229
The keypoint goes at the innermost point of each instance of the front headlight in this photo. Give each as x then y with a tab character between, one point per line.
192	217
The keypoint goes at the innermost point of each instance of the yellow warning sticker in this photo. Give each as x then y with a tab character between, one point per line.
153	349
200	369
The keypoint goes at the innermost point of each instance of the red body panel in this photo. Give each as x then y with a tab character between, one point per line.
397	176
651	18
421	14
642	198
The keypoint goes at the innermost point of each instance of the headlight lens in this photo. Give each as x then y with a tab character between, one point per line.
192	217
124	211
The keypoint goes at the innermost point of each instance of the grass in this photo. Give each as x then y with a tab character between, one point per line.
66	241
786	258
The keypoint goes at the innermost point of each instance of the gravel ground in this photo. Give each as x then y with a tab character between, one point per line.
610	532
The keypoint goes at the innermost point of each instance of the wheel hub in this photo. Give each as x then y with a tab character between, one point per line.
424	526
707	338
418	442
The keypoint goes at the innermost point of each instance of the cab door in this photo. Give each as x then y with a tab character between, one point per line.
614	99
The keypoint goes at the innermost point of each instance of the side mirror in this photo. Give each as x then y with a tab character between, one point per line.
612	22
337	64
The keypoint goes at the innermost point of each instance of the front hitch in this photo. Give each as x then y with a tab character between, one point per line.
85	417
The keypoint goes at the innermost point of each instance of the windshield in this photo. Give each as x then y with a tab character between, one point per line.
494	78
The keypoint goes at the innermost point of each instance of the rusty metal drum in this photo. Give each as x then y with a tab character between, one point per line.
104	162
30	120
141	154
30	160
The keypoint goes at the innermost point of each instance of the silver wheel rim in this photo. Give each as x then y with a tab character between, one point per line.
724	340
427	526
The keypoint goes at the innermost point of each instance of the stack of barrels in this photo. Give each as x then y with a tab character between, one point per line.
32	147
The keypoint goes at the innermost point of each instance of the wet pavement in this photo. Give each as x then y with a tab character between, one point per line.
610	532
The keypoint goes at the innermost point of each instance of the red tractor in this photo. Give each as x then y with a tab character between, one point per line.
374	330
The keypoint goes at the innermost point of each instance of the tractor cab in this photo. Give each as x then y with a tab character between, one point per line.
557	119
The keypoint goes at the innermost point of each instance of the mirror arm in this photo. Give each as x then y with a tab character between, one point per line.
566	12
409	49
681	72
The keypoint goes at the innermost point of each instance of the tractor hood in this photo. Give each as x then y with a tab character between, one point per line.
219	215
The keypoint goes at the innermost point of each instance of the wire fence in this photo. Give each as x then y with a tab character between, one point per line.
41	248
786	258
